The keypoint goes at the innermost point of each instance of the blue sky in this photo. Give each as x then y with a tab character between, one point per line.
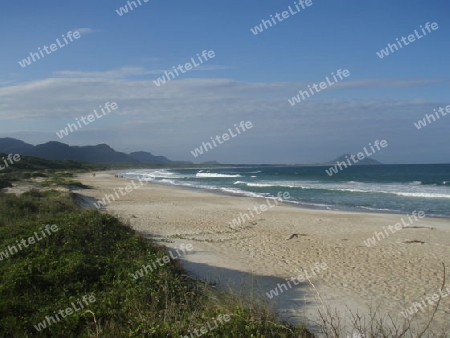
251	78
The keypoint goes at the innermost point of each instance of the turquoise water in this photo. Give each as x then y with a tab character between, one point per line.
382	188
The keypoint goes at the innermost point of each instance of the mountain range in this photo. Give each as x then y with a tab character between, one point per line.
101	153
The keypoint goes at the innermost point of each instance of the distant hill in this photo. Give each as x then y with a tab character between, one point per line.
365	161
145	157
12	146
101	153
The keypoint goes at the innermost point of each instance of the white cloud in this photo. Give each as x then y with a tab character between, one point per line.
85	30
120	73
175	118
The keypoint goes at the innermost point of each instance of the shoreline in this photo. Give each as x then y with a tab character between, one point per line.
297	204
391	274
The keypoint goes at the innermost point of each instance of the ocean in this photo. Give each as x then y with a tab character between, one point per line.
380	188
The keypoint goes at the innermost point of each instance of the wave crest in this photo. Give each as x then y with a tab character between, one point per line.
215	175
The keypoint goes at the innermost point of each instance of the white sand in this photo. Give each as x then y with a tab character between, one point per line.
388	276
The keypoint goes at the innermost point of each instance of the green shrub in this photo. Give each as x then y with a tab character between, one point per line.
94	253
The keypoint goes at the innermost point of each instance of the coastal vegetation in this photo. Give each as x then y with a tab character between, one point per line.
94	253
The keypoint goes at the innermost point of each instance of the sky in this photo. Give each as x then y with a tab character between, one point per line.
117	58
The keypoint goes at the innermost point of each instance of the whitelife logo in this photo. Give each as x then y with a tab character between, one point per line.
188	66
323	85
53	47
49	229
361	156
411	38
297	280
423	123
284	14
207	328
90	118
129	188
165	260
243	217
124	10
53	319
199	151
11	158
423	305
393	228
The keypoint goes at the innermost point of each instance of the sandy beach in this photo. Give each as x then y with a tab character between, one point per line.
402	268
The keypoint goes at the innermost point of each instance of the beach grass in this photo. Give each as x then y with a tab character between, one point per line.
93	253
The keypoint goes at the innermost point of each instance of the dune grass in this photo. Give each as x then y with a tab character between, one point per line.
93	254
